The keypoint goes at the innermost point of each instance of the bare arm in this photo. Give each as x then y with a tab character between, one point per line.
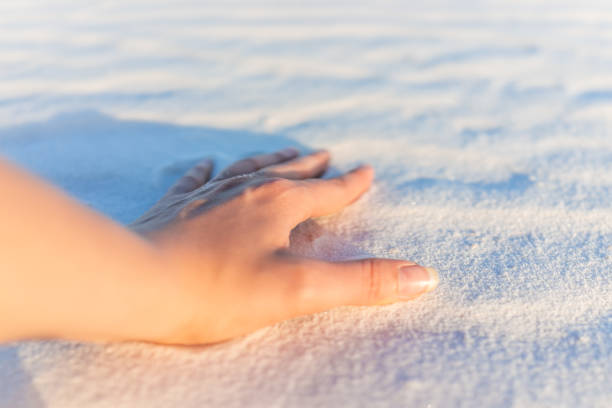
66	271
208	262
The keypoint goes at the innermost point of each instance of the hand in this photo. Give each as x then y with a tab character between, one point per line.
225	242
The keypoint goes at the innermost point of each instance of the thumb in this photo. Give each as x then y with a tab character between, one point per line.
319	286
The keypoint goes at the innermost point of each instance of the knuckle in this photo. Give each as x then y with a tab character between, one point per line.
221	184
230	183
275	185
240	167
372	273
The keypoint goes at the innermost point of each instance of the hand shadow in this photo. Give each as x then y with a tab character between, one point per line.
122	167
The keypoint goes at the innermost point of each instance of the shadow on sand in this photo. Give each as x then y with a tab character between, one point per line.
120	167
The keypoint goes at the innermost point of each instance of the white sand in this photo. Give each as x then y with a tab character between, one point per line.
488	124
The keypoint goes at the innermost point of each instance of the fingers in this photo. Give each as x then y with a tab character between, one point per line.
316	286
322	197
196	177
310	166
254	163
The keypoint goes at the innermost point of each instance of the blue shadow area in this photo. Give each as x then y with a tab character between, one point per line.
121	167
16	388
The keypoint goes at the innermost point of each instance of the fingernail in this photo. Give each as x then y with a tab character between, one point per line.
414	280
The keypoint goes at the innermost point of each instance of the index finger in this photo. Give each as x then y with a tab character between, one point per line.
323	197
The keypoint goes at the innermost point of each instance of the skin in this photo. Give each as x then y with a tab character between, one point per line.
206	263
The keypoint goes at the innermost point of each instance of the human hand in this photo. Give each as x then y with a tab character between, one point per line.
225	243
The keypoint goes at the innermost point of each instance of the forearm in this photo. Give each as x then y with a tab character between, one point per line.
61	264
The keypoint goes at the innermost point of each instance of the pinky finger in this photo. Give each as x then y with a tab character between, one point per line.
196	177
